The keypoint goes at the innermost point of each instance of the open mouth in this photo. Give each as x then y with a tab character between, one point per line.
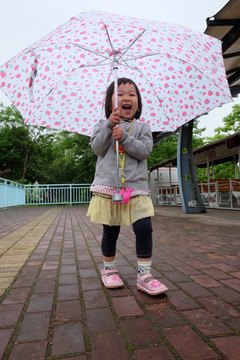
126	107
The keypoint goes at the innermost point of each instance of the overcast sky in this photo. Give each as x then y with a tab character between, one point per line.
23	22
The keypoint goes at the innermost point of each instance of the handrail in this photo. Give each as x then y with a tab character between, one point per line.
15	194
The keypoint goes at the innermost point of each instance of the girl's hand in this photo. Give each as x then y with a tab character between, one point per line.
117	133
115	116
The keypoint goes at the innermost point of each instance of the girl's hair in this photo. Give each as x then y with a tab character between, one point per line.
109	94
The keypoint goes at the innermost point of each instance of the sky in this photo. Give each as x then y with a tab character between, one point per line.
23	22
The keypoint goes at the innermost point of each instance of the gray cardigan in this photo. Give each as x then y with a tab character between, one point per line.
138	147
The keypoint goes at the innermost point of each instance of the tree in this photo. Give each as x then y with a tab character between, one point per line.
167	148
21	147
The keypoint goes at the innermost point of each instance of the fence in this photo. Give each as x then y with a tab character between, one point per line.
57	194
15	194
217	194
11	193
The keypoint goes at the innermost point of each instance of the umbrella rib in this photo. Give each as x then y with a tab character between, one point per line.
133	42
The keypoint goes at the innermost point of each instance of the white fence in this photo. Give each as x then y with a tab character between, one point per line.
15	194
11	193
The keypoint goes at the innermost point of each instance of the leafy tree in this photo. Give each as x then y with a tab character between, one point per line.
167	148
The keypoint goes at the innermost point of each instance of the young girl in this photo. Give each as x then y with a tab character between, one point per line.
135	145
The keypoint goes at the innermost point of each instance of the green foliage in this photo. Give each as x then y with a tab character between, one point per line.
167	148
47	156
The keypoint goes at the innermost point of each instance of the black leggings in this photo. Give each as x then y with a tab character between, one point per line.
143	232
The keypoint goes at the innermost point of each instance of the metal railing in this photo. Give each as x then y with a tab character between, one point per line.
57	194
15	194
11	193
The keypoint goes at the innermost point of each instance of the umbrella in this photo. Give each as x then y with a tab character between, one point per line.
60	81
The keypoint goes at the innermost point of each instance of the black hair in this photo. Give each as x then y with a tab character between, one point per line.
109	94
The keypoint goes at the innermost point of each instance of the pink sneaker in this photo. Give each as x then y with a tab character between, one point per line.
111	279
150	285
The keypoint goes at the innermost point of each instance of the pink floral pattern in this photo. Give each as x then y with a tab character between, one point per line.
60	81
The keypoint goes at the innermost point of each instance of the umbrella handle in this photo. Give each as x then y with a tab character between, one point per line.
116	197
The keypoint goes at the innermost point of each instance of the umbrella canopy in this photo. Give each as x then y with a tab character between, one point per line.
60	81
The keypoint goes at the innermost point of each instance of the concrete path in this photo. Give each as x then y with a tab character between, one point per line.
54	306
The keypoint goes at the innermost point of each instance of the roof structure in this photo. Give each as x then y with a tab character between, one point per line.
225	26
218	151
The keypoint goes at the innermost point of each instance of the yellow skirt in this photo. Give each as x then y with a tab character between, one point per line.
102	210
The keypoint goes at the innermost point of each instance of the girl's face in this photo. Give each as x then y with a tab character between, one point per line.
127	101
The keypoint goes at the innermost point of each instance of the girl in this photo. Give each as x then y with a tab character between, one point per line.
135	145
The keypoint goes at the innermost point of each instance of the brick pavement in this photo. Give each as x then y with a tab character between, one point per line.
53	305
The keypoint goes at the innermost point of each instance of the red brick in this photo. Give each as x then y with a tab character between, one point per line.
91	284
68	292
232	283
140	332
40	302
126	306
224	267
68	311
190	347
109	347
33	351
94	298
206	323
181	301
194	289
229	346
68	279
5	336
205	281
163	315
18	295
100	321
9	314
158	353
34	327
45	286
228	295
67	339
219	308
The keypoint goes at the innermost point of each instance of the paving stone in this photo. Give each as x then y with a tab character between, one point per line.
219	308
68	292
194	290
232	283
15	296
206	322
140	332
68	311
176	277
94	299
5	335
30	351
108	347
9	314
45	286
205	281
126	306
229	346
190	346
163	316
67	339
202	274
40	302
34	327
91	284
228	295
100	321
157	353
181	301
68	279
